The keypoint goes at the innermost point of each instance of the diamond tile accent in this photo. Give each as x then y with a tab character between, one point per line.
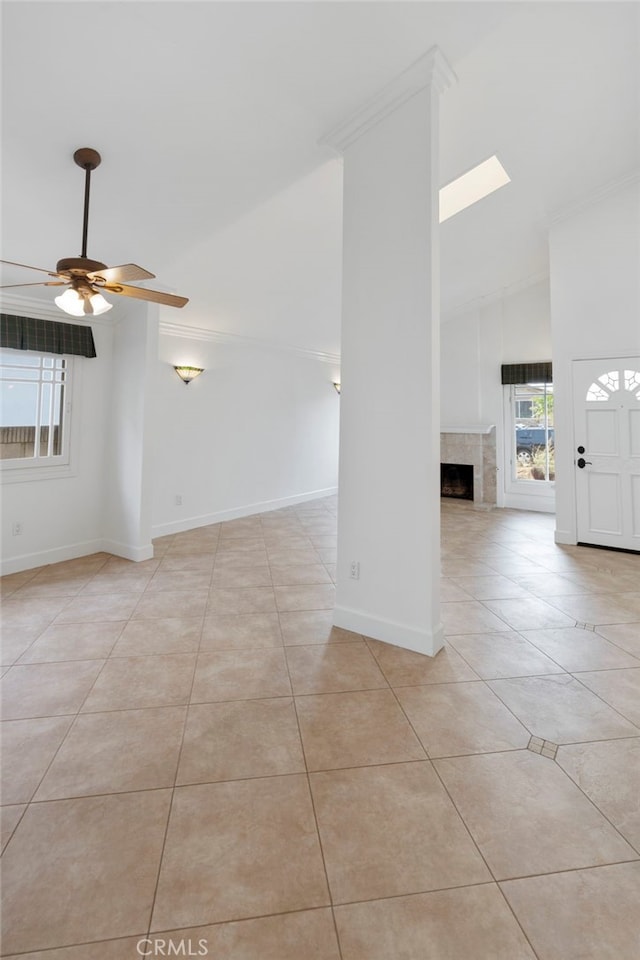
544	747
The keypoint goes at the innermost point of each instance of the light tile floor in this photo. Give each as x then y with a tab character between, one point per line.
192	754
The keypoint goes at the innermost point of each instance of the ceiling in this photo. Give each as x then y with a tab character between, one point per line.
208	117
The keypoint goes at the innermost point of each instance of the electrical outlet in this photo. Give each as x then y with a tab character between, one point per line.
354	570
178	499
16	528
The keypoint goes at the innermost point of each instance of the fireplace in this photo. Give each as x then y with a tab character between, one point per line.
473	445
456	480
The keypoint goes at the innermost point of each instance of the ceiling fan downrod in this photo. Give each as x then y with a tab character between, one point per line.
88	159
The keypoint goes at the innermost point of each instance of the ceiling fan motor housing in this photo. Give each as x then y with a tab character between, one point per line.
79	266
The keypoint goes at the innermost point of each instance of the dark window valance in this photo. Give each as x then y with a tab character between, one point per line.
527	372
46	336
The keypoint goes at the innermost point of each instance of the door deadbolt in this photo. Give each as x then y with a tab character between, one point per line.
580	449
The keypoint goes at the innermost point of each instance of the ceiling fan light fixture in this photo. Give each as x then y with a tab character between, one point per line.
99	304
71	302
79	304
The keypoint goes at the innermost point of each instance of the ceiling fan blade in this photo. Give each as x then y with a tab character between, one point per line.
139	293
126	271
36	283
12	263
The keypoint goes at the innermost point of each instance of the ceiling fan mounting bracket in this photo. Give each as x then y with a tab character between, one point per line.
87	158
82	287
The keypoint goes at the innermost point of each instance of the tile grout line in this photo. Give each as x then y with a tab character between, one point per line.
175	779
601	698
494	880
313	810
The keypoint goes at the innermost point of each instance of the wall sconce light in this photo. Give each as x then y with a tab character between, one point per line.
187	374
337	385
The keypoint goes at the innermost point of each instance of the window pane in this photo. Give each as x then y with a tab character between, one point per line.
58	411
45	417
18	420
32	406
23	373
533	435
20	358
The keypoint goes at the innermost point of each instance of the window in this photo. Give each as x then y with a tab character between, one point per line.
34	409
605	386
524	409
532	435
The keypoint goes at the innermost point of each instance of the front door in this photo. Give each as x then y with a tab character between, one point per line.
607	451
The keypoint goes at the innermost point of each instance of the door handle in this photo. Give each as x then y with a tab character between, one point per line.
582	463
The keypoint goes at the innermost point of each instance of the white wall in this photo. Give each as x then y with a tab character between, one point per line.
257	430
63	518
595	311
514	328
475	343
275	273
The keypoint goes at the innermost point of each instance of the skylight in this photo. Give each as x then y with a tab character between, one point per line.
471	187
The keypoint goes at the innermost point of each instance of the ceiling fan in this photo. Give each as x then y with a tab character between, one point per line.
87	279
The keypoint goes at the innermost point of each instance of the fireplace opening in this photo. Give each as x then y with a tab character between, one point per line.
456	480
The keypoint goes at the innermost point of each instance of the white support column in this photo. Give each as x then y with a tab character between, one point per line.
127	513
389	503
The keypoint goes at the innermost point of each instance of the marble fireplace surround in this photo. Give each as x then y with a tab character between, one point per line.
475	445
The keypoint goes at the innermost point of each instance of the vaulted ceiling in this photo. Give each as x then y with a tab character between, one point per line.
208	117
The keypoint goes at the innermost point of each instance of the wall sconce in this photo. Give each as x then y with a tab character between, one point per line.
337	385
187	374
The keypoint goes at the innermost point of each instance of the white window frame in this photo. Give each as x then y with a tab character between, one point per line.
23	469
521	494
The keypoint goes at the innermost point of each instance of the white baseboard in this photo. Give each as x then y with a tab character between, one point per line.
399	634
27	561
520	501
565	536
127	551
236	513
72	551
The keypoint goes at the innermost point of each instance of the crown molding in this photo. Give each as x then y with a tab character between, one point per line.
600	193
495	295
432	69
185	332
